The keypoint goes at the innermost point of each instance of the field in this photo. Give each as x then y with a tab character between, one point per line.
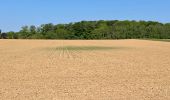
84	70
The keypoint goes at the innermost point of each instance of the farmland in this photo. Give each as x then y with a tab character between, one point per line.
84	70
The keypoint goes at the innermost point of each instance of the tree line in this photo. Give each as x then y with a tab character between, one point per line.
102	29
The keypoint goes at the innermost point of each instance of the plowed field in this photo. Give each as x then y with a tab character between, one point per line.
84	70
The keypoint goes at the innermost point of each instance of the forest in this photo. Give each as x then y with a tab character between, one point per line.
102	29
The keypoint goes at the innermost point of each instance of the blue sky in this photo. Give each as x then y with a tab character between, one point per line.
16	13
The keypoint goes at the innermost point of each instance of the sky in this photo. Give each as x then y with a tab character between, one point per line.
16	13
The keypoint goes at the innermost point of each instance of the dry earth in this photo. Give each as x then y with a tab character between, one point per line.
84	70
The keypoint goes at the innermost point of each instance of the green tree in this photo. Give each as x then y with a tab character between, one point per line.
111	29
11	35
24	33
32	29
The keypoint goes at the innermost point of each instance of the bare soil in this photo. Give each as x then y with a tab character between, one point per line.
84	70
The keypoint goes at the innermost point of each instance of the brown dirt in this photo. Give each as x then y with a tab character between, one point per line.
132	70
